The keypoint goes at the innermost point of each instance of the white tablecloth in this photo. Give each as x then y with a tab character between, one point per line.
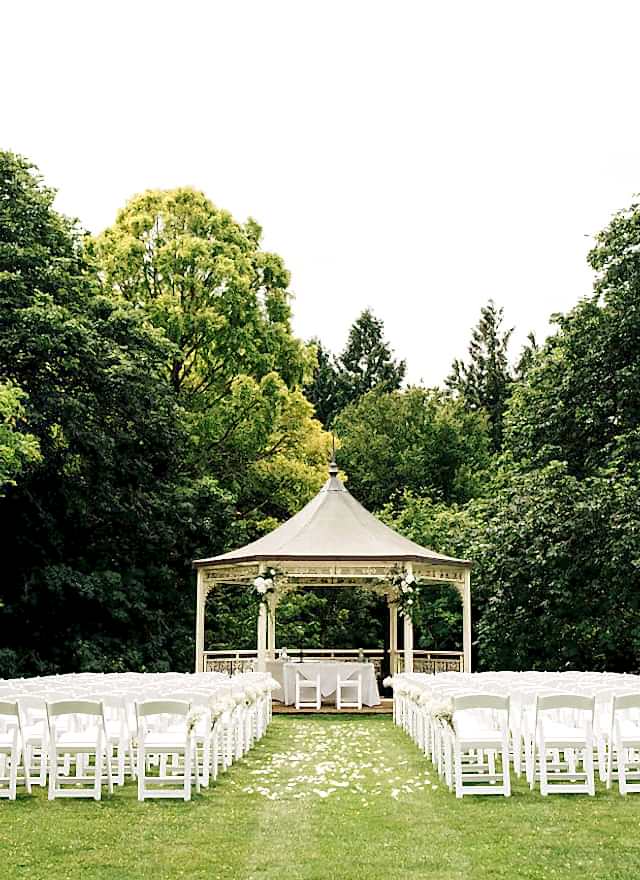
285	675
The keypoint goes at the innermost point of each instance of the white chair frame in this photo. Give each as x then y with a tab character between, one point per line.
10	747
78	743
308	684
487	737
349	684
567	738
164	743
623	758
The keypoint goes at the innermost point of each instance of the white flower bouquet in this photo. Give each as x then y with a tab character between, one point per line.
442	711
265	583
193	719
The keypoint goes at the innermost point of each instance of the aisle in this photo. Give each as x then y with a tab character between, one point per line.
330	757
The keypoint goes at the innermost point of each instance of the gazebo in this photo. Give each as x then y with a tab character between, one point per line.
333	542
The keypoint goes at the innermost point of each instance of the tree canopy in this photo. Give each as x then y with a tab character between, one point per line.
155	406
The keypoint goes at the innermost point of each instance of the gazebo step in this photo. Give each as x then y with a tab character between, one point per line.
385	708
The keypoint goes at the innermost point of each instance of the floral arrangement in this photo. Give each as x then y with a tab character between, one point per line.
406	585
265	583
388	682
251	694
442	711
193	719
220	707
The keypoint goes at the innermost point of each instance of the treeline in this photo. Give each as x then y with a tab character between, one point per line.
155	406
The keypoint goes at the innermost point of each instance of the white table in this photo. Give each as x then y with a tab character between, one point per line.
285	675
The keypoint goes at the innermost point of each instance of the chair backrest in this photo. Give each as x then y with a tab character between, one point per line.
74	707
9	709
162	707
313	677
480	701
626	701
565	701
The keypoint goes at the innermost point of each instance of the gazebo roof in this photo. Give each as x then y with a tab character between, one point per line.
333	526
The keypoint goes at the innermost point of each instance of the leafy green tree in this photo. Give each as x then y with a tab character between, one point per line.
484	382
202	279
557	580
419	440
582	396
446	528
17	447
90	551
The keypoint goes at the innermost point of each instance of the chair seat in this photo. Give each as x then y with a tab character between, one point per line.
629	730
165	740
6	741
78	739
32	734
480	735
562	733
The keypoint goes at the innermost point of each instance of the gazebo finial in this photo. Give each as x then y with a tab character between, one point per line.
333	467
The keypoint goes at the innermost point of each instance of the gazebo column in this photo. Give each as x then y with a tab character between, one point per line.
393	637
466	620
262	637
408	643
271	626
201	601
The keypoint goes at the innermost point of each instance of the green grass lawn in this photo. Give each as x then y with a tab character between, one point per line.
322	798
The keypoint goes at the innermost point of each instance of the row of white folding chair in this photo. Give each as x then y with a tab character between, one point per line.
442	741
72	727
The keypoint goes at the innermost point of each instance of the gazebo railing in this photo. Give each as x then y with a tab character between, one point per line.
438	661
232	662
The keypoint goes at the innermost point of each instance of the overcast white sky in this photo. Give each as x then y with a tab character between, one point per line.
417	158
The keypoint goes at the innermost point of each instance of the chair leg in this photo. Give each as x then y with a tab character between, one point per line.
142	769
27	757
53	772
506	774
97	786
543	769
187	773
622	770
588	766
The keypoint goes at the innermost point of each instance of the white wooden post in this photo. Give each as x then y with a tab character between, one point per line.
408	644
466	620
393	637
408	633
262	637
200	607
271	626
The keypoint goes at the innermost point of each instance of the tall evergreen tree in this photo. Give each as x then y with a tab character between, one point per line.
323	390
366	364
367	361
485	381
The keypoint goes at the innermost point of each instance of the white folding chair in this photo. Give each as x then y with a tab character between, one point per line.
9	748
33	721
352	686
162	730
307	684
623	758
481	730
564	726
76	734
